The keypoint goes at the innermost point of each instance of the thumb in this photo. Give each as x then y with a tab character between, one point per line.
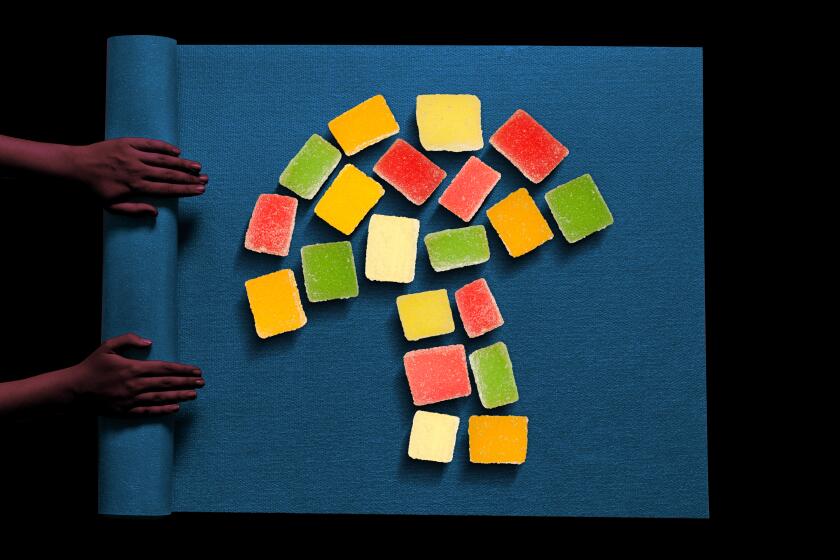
129	339
133	208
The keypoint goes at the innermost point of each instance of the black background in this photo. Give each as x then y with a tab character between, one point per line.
53	89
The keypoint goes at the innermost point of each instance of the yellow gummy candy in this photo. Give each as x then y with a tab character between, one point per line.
433	436
364	125
449	122
350	196
519	223
391	251
425	314
275	303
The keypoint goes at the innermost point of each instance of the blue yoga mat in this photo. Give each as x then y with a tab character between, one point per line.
606	335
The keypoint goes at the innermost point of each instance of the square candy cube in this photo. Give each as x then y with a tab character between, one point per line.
272	224
457	248
308	170
498	439
437	374
579	208
391	248
478	309
519	223
275	303
414	175
433	436
425	314
350	196
467	191
528	146
493	373
449	122
364	125
329	271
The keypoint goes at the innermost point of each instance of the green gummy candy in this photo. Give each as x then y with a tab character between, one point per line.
493	373
310	167
329	271
579	208
455	248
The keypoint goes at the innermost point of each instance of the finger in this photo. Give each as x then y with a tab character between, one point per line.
147	384
157	368
169	189
128	339
150	145
133	208
157	398
163	175
154	410
170	162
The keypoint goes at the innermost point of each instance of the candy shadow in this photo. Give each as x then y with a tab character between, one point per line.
186	230
424	472
332	310
427	472
254	264
511	178
567	252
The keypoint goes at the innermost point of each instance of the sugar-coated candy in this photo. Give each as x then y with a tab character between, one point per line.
449	122
498	439
579	208
467	191
478	309
272	224
528	146
425	314
433	436
519	223
493	374
437	374
414	175
457	248
391	250
329	271
364	125
309	169
350	196
275	303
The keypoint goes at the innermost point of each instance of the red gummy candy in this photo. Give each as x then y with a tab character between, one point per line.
467	191
437	374
528	146
271	226
478	309
410	172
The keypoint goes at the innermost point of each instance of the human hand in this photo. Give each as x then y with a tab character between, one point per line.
119	169
113	384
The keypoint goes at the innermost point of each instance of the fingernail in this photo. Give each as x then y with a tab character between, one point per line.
196	371
145	341
194	395
204	178
195	166
199	382
200	189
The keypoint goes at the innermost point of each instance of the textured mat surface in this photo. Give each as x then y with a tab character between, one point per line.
606	336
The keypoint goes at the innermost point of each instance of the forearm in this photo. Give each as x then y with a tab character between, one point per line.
38	157
43	393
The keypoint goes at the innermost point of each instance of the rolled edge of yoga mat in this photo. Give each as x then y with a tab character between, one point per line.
139	276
